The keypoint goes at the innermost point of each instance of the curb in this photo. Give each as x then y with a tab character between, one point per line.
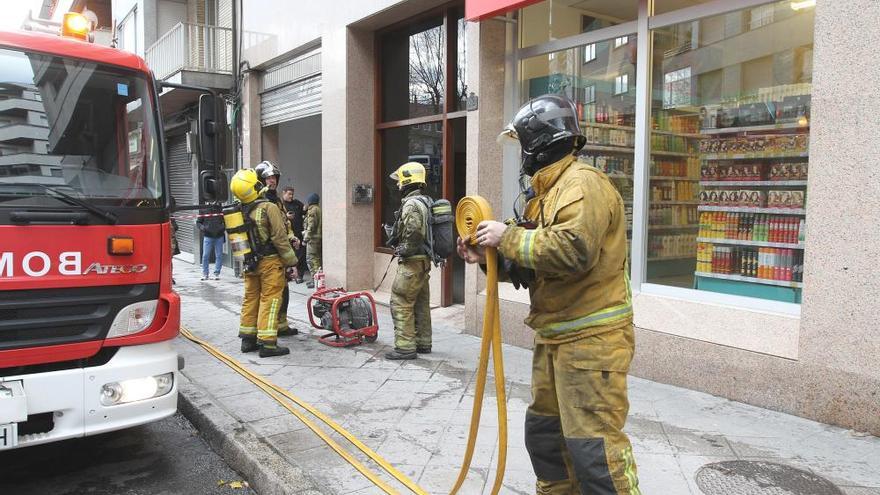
267	471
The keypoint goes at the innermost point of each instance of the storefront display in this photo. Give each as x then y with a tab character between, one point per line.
739	126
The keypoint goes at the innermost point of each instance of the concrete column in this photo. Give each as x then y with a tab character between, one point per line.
485	76
842	279
347	141
251	132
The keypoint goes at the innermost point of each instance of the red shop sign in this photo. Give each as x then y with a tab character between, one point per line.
477	10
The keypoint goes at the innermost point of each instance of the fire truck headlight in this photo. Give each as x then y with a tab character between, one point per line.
133	318
136	389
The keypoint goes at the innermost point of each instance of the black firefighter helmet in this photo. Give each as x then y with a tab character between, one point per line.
547	130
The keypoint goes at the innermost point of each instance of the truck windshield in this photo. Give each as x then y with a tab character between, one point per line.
76	128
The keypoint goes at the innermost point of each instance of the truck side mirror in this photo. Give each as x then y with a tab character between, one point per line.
211	131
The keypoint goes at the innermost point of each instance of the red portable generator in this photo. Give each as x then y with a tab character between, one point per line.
350	317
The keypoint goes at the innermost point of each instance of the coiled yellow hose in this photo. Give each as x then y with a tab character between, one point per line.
470	211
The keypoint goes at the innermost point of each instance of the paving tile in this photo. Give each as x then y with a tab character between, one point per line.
452	455
515	482
296	442
252	406
661	474
275	425
400	449
440	479
700	444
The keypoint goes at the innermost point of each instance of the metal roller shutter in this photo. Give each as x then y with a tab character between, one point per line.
291	90
180	176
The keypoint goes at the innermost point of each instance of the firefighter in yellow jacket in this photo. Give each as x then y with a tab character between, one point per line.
569	248
264	285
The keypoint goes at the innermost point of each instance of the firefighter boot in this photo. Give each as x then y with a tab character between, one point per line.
249	344
399	354
284	332
275	350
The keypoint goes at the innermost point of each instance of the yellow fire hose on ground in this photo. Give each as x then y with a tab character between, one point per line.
469	213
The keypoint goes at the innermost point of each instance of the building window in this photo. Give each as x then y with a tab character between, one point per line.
621	84
590	53
127	32
728	160
677	88
413	86
619	42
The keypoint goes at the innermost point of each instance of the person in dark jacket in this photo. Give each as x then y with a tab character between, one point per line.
296	215
214	231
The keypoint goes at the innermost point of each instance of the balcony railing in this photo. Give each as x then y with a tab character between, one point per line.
193	47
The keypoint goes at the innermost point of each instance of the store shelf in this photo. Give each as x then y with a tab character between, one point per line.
674	153
670	258
755	128
740	209
753	183
752	156
607	126
671	227
676	178
680	134
742	242
608	149
754	280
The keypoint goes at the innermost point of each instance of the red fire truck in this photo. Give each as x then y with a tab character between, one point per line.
87	309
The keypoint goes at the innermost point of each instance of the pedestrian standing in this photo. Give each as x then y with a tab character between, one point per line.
569	247
410	293
213	230
296	215
312	236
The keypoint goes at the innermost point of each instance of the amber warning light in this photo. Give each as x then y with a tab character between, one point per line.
120	246
77	26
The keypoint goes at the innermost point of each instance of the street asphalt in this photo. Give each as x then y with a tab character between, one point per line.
162	458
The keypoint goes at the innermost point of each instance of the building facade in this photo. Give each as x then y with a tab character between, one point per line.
741	135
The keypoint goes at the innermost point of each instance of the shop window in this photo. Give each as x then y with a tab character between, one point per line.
729	153
414	143
606	107
556	19
413	71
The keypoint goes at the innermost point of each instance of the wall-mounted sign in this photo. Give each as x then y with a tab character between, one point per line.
477	10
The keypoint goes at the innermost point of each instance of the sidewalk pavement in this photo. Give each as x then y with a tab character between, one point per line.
416	414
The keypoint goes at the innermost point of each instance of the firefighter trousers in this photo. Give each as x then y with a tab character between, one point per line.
262	299
313	256
573	429
411	304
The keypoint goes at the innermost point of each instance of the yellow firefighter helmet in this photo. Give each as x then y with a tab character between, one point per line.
409	173
246	186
